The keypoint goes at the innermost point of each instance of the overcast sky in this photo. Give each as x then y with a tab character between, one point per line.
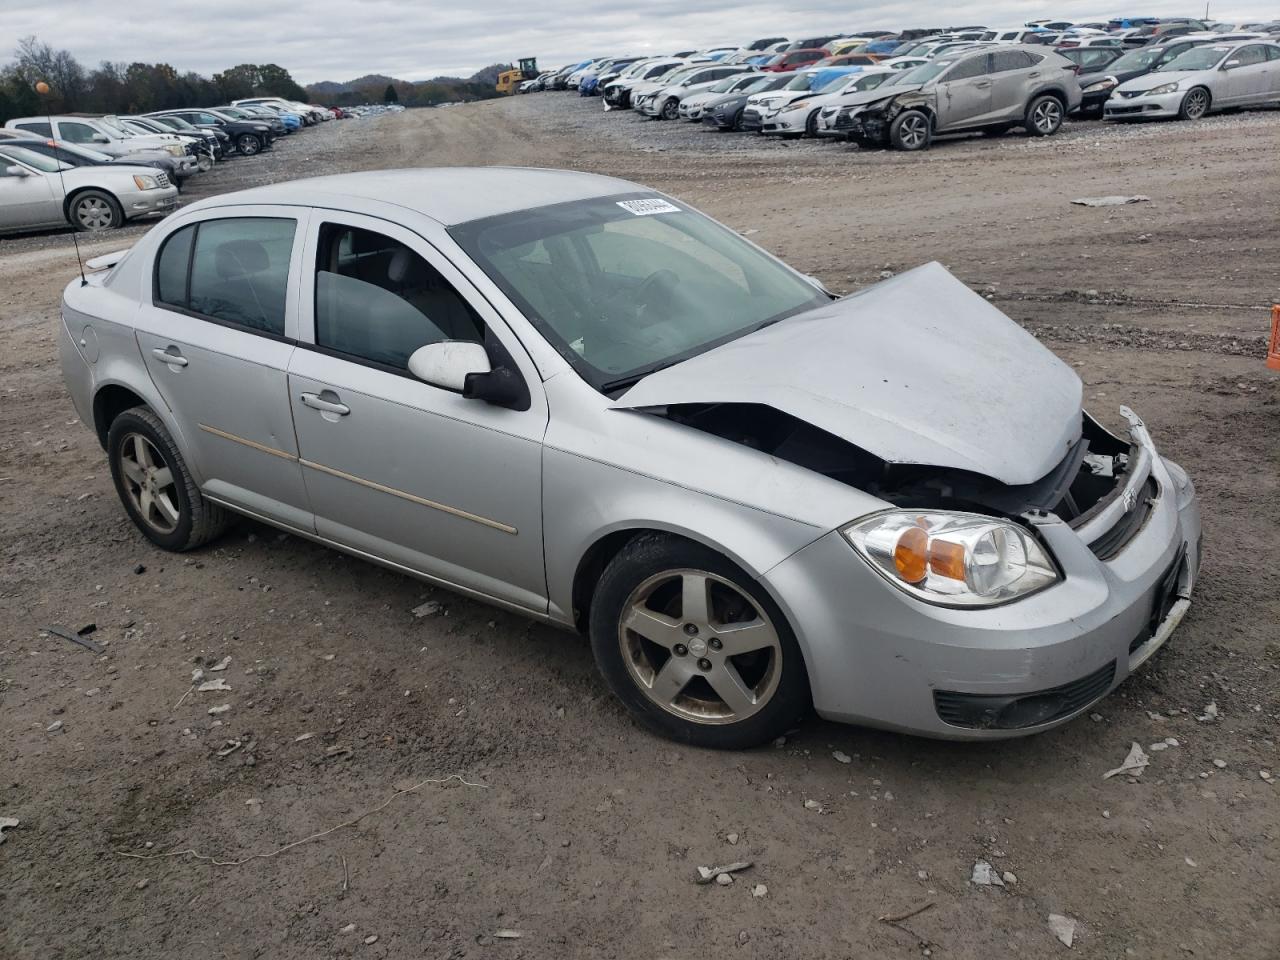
418	39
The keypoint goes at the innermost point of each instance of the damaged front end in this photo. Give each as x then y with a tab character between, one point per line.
1103	487
871	125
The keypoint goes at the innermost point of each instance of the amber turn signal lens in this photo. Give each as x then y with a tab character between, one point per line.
911	555
946	559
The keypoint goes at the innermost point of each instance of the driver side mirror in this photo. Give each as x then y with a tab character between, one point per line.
101	138
16	171
1230	63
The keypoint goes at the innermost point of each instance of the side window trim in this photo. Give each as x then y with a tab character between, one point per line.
301	218
495	323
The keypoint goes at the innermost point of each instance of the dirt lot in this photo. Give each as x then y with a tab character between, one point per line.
585	833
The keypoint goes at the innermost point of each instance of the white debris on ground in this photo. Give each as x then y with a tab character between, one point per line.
209	686
7	823
1210	712
1110	201
1064	928
714	874
1133	765
428	609
842	757
220	665
984	875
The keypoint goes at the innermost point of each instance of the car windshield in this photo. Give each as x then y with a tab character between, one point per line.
624	285
76	150
1136	60
764	83
800	81
234	112
870	81
32	159
114	125
926	71
177	123
836	83
1197	58
725	85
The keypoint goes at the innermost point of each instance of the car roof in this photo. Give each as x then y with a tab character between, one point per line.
448	195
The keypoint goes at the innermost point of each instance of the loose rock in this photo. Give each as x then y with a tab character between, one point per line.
985	876
1064	928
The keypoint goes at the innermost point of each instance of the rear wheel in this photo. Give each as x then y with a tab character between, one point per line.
1044	116
1194	105
94	211
911	130
155	486
693	646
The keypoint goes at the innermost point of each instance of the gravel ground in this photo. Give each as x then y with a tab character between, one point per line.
586	833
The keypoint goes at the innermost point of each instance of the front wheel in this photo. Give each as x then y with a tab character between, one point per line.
1195	104
911	130
204	162
694	647
248	145
1044	116
671	109
94	211
155	486
811	124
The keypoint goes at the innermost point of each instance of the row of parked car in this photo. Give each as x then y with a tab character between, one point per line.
98	172
877	88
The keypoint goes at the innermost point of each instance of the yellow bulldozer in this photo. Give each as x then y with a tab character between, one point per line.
508	80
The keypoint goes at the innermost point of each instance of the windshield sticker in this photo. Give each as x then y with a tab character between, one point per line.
645	208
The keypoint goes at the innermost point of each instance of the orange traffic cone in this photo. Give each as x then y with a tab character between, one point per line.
1273	352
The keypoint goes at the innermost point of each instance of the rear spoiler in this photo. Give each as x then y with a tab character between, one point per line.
106	260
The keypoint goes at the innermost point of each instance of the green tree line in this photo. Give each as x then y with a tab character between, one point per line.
126	87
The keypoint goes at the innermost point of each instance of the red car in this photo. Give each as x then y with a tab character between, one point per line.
794	60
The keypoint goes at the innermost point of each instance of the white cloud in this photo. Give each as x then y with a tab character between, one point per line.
342	39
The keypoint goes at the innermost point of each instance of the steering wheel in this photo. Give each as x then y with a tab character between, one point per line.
656	288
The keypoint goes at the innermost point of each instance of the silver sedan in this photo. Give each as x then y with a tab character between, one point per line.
585	401
1218	76
37	191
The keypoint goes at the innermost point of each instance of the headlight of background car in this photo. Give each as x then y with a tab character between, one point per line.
145	183
1163	88
953	559
175	150
799	105
1106	83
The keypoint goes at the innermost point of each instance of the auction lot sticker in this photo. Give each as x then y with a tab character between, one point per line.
645	208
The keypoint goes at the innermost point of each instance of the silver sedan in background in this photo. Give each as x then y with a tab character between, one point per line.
37	191
1214	77
585	401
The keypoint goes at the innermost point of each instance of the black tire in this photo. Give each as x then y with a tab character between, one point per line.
94	211
811	124
248	144
1044	116
1195	104
671	109
199	521
911	130
653	556
736	126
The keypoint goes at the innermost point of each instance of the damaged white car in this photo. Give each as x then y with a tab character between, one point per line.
585	401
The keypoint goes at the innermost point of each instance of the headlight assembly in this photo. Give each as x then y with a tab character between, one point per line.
1163	88
175	150
1106	83
143	182
953	559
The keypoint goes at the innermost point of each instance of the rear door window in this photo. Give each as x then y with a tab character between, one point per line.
967	69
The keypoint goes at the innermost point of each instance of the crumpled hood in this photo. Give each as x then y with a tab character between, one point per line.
864	97
916	369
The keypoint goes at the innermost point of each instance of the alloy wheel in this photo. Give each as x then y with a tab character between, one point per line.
94	213
1197	104
248	145
914	131
1047	116
149	482
699	648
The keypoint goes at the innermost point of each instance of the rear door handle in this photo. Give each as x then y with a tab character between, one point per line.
164	356
983	84
318	402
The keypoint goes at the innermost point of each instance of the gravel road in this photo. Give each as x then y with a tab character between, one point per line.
578	831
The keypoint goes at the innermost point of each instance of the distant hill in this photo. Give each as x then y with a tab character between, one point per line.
487	76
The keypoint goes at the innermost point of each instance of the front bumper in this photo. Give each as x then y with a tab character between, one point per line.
752	119
143	203
879	657
1131	108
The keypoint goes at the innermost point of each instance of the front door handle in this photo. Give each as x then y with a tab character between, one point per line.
165	356
319	402
983	84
